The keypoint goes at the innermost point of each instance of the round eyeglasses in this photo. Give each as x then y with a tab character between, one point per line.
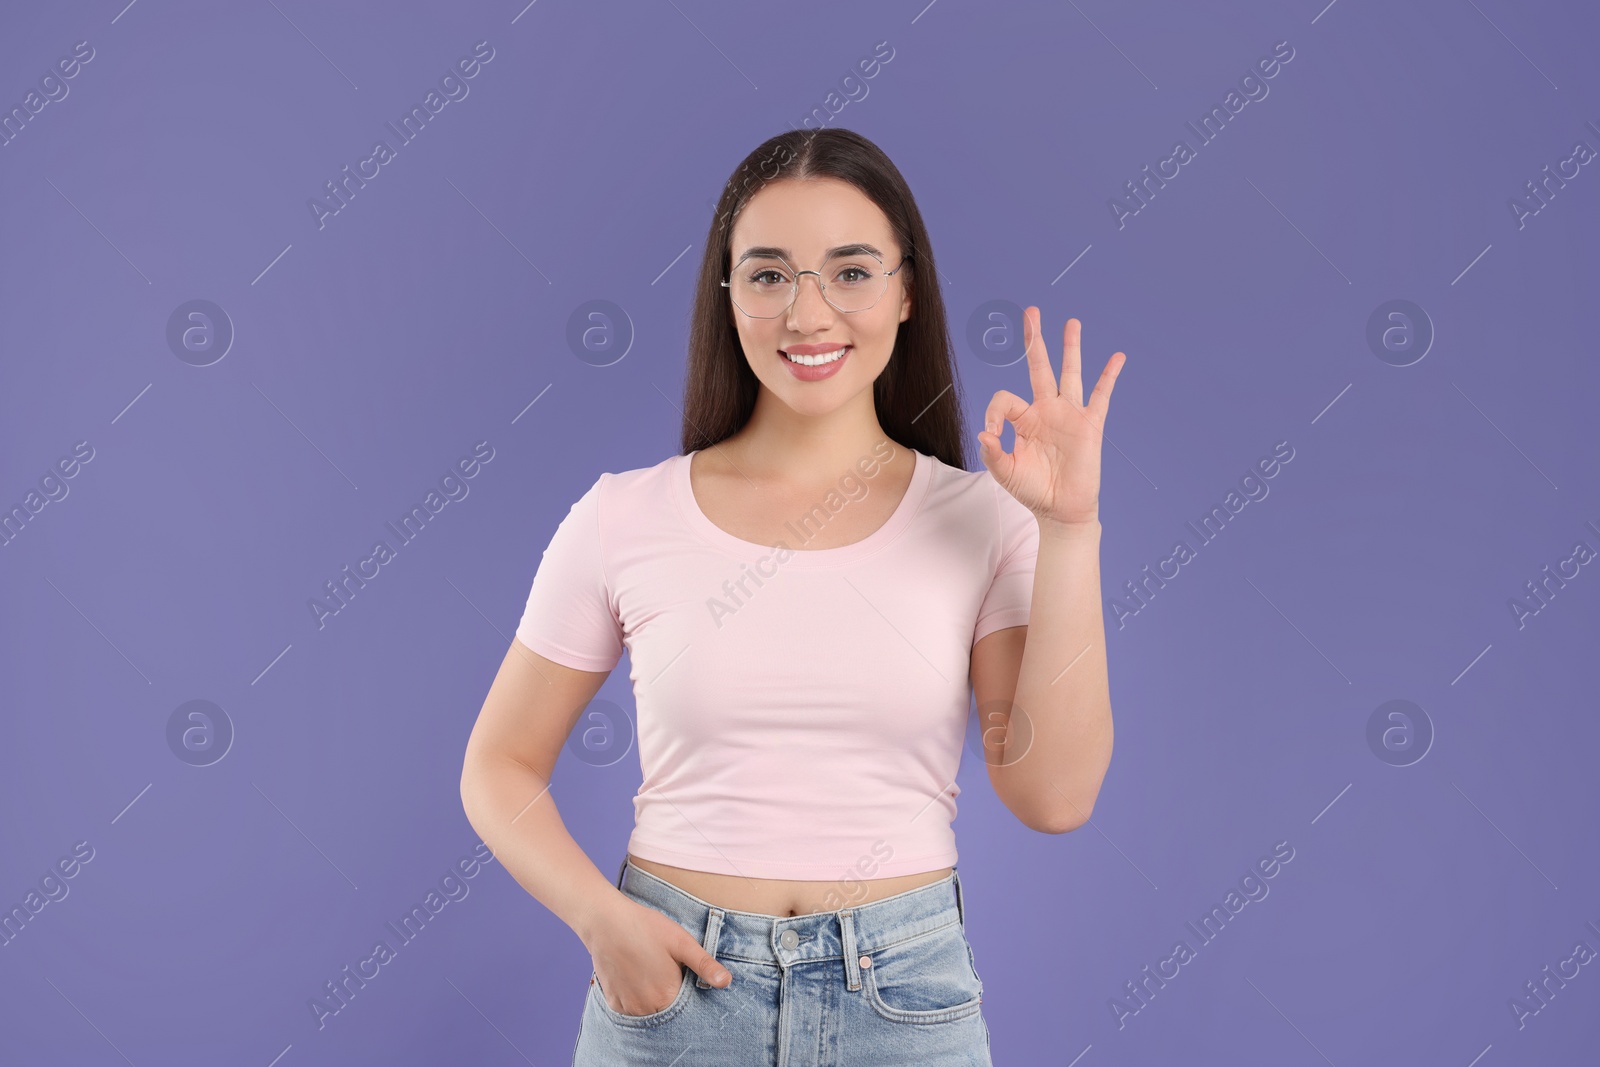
764	287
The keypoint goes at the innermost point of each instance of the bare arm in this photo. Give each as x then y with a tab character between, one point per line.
505	784
532	706
1048	766
1053	760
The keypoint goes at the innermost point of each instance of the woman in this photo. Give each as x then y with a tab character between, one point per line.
806	593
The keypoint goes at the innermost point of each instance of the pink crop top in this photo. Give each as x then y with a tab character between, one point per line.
801	713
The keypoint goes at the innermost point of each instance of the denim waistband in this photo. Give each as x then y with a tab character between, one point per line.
847	934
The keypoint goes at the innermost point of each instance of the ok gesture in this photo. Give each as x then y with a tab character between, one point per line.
1054	465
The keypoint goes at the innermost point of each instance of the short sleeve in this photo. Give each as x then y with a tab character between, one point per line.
1010	597
569	616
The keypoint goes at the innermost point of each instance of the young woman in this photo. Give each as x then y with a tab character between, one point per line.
811	594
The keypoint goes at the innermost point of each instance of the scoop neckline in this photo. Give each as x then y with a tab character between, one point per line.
910	503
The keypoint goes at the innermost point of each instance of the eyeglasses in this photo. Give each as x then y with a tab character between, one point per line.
764	287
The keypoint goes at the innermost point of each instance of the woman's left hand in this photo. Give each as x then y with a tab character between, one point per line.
1054	466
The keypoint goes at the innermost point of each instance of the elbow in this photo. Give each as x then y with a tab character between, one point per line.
1060	824
1052	814
1051	820
471	783
466	797
1062	818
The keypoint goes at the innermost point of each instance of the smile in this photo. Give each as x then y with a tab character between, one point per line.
817	360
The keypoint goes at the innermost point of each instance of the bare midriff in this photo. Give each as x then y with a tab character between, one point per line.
781	896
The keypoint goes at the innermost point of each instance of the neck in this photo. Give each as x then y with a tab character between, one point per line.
787	445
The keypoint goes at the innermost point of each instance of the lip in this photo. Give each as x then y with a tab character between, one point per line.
815	374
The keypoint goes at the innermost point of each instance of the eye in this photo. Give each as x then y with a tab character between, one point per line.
860	275
768	277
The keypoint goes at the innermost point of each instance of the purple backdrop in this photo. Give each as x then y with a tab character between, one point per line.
217	398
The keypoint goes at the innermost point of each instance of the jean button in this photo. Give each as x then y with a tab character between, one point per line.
788	939
866	961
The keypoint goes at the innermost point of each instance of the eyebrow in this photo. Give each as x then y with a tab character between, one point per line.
783	253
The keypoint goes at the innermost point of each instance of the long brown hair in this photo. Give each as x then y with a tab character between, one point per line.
917	397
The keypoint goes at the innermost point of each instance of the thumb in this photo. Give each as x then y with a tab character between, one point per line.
987	448
694	956
994	456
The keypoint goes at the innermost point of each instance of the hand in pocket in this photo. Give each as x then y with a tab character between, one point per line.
639	955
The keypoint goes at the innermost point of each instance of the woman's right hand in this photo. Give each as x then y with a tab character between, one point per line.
638	953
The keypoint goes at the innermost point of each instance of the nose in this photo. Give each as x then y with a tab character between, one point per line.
810	312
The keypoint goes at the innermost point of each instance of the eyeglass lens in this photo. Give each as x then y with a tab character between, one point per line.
764	287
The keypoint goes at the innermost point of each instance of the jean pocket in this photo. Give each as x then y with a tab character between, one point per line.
655	1018
927	979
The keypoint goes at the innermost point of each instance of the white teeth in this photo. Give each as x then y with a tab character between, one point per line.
817	361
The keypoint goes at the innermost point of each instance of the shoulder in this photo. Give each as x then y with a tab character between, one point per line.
618	494
968	490
641	477
975	497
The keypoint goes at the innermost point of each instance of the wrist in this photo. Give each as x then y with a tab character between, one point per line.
1075	529
597	915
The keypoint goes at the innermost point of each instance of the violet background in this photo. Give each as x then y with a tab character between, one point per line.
371	354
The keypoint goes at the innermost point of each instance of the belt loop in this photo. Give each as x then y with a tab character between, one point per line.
622	870
961	907
852	965
709	942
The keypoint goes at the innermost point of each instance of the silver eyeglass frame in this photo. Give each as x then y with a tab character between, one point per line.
794	289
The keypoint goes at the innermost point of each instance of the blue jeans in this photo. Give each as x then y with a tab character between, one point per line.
886	983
